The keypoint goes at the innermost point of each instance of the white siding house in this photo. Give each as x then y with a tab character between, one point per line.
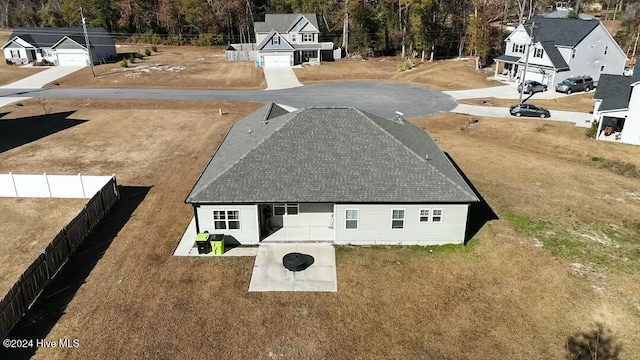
280	176
559	49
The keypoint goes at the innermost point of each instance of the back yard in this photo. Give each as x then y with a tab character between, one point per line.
563	256
171	67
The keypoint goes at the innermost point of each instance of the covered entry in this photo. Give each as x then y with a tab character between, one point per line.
291	222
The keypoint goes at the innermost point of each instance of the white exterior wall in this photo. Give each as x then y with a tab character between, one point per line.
248	232
22	51
308	215
518	36
596	107
631	131
374	225
589	59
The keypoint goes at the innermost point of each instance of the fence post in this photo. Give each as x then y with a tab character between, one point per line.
84	195
13	181
46	179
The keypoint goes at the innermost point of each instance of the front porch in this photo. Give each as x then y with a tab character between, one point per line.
506	68
297	234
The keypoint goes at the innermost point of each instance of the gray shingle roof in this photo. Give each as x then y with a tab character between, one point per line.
563	32
47	36
328	155
508	58
554	55
614	90
282	22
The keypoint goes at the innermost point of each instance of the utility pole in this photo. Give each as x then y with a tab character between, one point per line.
345	29
86	41
526	61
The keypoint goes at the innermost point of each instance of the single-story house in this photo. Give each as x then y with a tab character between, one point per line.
617	108
338	174
59	46
560	48
285	40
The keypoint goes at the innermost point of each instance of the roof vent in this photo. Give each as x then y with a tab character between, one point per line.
249	131
398	118
427	157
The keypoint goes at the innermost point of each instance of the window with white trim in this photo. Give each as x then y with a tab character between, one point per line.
606	49
226	219
15	53
601	68
397	219
436	215
351	219
573	53
293	37
285	209
424	215
518	48
538	53
275	40
307	37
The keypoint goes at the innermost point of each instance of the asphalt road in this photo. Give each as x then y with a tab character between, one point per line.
382	99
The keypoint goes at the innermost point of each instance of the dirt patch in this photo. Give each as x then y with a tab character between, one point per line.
170	67
441	74
140	302
27	226
580	103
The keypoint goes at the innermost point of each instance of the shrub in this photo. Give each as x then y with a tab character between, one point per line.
147	52
407	65
154	48
591	132
124	63
137	55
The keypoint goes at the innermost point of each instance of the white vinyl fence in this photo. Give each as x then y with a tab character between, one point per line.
51	186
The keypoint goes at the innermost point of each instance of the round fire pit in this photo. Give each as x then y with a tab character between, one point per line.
296	261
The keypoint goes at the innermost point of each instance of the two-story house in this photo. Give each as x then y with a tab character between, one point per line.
559	49
290	39
617	107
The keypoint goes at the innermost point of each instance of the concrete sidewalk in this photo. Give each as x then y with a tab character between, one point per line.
578	118
279	78
42	78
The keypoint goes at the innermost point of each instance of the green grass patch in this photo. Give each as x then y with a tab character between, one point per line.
604	246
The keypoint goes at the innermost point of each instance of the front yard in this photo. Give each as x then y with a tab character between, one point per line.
439	75
171	67
516	292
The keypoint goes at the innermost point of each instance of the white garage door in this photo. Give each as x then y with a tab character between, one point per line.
536	76
72	59
277	60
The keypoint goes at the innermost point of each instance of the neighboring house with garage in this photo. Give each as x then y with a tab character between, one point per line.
338	175
59	46
285	40
617	108
560	48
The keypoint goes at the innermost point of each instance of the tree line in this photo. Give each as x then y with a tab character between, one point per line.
438	28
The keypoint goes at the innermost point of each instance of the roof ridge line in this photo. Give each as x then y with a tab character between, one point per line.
241	157
424	160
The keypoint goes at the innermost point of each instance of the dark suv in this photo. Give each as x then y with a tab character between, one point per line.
578	83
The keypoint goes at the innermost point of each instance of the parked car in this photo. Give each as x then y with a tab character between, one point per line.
532	87
529	110
579	83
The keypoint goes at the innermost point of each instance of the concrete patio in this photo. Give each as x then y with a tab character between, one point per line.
270	275
186	246
298	234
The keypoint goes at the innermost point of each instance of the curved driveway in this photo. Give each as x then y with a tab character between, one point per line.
382	99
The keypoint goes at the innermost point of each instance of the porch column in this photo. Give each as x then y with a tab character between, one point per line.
496	73
318	56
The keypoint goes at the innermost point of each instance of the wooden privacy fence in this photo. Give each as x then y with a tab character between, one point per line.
31	283
241	52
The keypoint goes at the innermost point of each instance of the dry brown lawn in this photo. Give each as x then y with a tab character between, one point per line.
581	102
501	297
27	226
171	67
11	73
440	75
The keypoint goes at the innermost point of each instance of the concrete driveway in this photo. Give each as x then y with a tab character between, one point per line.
35	81
509	91
270	275
578	118
42	78
279	78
